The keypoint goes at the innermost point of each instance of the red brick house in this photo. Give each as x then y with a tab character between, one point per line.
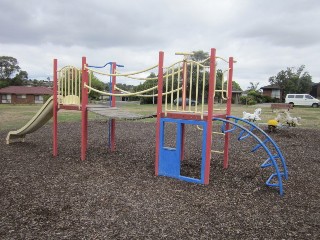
272	91
24	94
315	92
275	92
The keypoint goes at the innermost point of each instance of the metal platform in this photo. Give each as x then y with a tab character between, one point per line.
113	112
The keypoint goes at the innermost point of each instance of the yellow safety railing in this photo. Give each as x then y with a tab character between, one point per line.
197	82
69	85
120	94
194	74
195	87
150	95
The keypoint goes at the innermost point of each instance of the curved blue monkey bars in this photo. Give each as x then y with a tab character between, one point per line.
271	161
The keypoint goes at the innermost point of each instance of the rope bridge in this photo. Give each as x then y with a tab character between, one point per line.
194	88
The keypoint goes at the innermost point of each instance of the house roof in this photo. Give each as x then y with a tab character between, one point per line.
272	86
27	90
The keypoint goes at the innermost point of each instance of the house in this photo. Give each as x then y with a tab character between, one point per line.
315	91
236	94
24	94
272	91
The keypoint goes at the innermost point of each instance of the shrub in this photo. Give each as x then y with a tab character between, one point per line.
267	99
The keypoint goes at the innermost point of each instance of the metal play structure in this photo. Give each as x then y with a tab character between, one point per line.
185	96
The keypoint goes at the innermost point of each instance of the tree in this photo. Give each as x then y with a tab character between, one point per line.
236	86
293	80
97	84
146	85
8	66
199	56
253	86
20	79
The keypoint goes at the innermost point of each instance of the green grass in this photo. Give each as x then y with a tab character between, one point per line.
15	116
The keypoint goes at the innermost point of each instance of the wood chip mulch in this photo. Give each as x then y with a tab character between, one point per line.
115	195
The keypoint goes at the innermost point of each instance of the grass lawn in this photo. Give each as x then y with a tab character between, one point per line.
15	116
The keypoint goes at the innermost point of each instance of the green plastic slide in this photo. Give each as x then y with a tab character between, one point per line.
38	120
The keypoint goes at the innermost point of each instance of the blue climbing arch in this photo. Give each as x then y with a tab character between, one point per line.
275	161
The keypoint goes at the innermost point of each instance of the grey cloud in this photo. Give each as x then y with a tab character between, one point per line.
90	25
264	36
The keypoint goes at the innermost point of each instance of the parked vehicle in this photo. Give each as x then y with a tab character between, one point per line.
193	102
302	100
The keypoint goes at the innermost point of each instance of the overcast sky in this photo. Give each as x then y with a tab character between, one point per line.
264	36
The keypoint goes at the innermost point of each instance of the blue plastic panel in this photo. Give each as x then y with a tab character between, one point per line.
170	158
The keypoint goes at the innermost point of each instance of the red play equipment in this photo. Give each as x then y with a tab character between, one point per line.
70	93
168	160
72	86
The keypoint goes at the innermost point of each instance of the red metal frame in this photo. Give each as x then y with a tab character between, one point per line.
159	110
84	112
113	104
191	116
228	113
210	113
69	107
55	108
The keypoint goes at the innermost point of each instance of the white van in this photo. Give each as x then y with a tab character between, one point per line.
302	100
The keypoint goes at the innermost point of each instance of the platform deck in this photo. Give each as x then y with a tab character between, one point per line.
113	112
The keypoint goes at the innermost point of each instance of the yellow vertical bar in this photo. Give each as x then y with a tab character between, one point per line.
178	87
190	82
197	88
227	96
203	90
222	84
166	97
58	74
172	86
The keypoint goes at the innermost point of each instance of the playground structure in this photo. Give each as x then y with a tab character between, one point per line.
185	79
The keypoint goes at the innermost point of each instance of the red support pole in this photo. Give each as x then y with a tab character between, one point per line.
55	108
113	104
159	110
84	112
212	81
228	112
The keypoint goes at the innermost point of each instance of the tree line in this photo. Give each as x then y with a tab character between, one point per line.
11	73
291	80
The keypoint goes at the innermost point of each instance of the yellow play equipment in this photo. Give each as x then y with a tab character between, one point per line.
283	119
272	125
